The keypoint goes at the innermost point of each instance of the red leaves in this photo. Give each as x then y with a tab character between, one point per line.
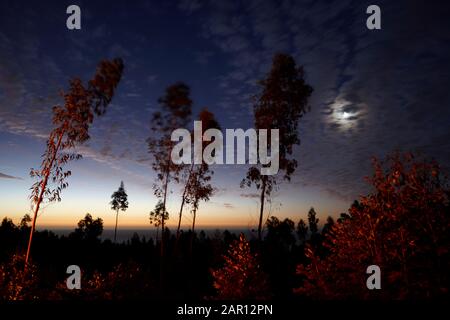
241	276
401	226
71	126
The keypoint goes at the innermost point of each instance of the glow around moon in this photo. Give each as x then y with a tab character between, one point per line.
343	114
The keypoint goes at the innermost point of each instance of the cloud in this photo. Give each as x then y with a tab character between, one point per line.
133	95
118	50
151	79
203	57
31	79
250	195
228	205
6	176
118	164
190	6
388	83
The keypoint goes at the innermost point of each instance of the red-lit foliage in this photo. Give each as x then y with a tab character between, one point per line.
402	226
16	284
71	128
241	277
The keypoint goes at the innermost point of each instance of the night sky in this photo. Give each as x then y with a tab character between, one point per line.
375	91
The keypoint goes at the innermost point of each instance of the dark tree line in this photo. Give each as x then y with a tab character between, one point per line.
130	269
401	226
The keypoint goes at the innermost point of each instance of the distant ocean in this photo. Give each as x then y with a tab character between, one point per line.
124	234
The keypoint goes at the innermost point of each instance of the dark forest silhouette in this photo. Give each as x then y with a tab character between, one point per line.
401	226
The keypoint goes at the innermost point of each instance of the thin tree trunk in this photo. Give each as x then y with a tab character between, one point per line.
161	266
193	232
183	200
191	280
41	196
261	210
115	229
166	182
33	226
179	221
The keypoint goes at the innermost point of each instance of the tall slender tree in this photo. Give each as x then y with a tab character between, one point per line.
199	189
174	113
72	122
197	173
282	102
119	202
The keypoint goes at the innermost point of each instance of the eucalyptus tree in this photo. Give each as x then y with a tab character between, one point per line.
119	202
174	112
71	128
280	105
196	187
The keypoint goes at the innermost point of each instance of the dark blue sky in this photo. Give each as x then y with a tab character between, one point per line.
374	91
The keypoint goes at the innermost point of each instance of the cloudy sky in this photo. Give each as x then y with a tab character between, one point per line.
374	92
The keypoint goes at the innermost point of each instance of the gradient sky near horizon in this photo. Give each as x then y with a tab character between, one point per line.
374	92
